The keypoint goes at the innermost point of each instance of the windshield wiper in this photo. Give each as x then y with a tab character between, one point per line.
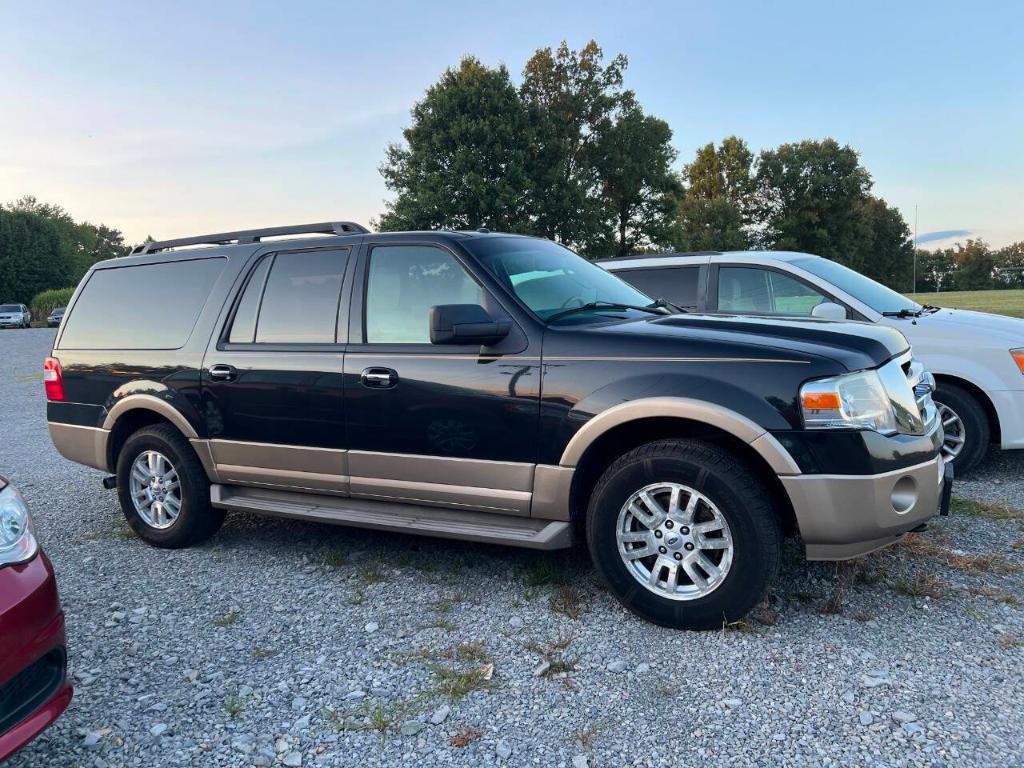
592	305
904	313
666	304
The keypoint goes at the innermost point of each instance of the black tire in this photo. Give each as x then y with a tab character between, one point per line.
977	432
197	521
740	497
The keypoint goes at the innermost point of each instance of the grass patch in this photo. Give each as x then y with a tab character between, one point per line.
371	574
365	718
988	511
1010	641
457	683
263	653
921	585
440	623
334	558
227	619
1009	301
998	595
569	601
114	532
234	705
743	627
864	616
917	546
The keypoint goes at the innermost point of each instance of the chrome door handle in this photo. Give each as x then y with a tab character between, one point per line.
222	372
379	378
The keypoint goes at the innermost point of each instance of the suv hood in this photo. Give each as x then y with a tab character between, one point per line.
854	345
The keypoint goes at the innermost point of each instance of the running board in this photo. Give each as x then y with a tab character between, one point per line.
403	518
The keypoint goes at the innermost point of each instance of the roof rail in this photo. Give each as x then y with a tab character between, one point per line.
660	255
254	235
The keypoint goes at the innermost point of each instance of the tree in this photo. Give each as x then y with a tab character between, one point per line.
633	159
571	99
1009	266
463	165
808	198
714	212
975	264
935	270
887	255
32	256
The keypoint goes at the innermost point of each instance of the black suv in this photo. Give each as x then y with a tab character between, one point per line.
495	388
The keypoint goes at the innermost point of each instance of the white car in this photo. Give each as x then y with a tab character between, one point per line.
977	358
15	316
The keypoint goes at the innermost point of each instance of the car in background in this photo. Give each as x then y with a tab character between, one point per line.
34	688
977	358
55	317
15	316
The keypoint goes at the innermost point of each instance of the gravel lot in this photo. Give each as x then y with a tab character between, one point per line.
300	644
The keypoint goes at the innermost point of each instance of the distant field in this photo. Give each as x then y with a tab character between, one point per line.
1001	302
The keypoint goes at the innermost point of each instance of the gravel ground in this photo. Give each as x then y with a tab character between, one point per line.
299	644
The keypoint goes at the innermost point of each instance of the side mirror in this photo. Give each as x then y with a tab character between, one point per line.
829	310
465	324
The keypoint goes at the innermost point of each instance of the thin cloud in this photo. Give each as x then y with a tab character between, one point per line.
942	234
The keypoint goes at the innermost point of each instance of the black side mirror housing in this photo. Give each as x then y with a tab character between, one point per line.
466	324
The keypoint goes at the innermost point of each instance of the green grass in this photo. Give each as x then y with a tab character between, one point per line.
973	508
1001	302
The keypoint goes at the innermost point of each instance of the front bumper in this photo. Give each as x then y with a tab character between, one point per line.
845	516
34	689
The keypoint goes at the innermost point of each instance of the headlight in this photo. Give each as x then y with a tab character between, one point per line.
854	401
17	539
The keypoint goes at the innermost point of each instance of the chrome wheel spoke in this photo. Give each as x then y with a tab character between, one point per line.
698	578
155	489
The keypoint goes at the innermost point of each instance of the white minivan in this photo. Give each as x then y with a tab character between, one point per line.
977	358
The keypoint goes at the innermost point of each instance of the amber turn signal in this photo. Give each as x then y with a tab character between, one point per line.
821	401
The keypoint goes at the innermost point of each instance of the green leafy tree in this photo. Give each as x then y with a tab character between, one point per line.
634	158
33	256
975	265
571	99
935	270
1009	266
463	164
808	197
887	255
715	209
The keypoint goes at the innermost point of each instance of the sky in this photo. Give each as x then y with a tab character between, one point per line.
177	118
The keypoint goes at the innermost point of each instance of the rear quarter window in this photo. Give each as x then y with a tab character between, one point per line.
144	306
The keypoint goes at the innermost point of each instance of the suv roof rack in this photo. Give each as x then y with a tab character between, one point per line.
660	255
254	235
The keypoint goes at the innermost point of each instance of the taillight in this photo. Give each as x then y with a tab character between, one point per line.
52	379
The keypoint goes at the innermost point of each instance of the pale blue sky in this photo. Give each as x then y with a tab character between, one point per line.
184	117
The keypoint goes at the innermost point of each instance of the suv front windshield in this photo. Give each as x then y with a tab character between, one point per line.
864	289
550	279
9	308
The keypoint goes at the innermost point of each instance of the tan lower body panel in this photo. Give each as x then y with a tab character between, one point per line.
502	487
845	516
85	445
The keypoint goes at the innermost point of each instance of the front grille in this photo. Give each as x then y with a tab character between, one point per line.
28	690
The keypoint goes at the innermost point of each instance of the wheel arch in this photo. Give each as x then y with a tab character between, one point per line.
135	412
995	431
610	435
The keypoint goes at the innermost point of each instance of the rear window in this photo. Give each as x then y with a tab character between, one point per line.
677	284
149	306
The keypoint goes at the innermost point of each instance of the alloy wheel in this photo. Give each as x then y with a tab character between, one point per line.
155	489
954	434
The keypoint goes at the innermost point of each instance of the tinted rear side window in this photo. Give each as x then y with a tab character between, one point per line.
300	301
149	306
677	284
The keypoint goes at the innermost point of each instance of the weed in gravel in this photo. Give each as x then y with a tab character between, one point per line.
1011	640
114	532
917	546
998	595
743	627
371	574
470	652
334	558
440	623
356	597
365	718
263	653
569	601
802	596
552	653
587	735
990	511
1017	545
457	683
668	690
234	705
540	571
227	619
464	736
921	585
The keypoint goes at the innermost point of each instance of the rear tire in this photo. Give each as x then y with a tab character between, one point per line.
163	489
732	525
970	425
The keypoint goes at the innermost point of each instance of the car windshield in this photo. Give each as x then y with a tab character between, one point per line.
864	289
550	279
9	308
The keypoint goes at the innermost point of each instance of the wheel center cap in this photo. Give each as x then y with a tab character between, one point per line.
673	540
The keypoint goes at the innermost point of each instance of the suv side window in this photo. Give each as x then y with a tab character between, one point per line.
403	283
753	290
677	284
291	298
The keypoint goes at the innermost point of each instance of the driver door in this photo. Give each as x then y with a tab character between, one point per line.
451	426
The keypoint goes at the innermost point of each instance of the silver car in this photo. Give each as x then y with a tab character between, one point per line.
15	316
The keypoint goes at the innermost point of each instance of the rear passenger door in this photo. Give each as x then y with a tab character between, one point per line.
272	383
682	285
745	289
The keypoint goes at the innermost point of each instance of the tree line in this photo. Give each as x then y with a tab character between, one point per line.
42	247
971	267
571	155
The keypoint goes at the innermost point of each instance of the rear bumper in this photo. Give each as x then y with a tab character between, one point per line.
845	516
34	689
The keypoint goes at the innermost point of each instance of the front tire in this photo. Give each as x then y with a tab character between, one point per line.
163	489
684	534
966	427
